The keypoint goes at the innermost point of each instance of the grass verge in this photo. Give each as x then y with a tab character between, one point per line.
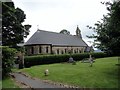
103	74
9	83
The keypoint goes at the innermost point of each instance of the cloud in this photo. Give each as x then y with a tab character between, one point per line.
55	15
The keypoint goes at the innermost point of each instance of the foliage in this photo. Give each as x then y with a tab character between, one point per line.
64	31
20	49
12	29
108	29
7	59
103	74
49	59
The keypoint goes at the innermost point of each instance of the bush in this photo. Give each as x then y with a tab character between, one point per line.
99	55
49	59
7	59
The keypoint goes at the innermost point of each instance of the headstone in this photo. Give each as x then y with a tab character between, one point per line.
71	60
90	60
46	72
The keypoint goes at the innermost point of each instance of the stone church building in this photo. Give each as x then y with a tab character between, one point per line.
46	42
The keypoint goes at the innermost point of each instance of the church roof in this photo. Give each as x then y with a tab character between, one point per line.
46	37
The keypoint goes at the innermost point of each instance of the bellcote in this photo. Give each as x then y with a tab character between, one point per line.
78	32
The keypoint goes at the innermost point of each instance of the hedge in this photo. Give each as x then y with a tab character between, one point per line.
49	59
7	59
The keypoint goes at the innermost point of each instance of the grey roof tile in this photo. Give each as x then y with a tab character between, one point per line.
53	38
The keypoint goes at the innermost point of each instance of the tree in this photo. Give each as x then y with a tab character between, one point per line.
64	31
13	31
108	29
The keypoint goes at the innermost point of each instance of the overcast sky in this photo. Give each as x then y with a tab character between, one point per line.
55	15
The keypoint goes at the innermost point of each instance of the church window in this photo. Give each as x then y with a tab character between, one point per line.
46	49
40	49
32	50
65	50
71	50
57	51
75	51
79	51
62	52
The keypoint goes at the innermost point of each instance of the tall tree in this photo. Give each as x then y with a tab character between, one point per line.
64	31
108	30
13	31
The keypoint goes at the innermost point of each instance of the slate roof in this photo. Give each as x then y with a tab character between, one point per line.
53	38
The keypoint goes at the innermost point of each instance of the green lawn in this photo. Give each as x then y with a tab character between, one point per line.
103	74
9	83
0	84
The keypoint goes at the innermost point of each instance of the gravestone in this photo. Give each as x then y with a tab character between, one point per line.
91	61
70	60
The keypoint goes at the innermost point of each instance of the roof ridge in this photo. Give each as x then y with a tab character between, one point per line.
55	32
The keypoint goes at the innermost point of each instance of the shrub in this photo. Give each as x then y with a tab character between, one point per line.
78	57
99	55
49	59
7	59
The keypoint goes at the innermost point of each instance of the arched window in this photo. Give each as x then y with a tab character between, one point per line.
79	51
40	49
71	50
65	50
57	51
75	51
62	52
32	50
46	49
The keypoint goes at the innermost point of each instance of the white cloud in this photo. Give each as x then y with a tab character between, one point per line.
55	15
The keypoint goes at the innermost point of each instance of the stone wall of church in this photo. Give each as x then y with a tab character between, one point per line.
64	50
46	49
38	49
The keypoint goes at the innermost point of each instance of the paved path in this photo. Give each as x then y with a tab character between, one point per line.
33	83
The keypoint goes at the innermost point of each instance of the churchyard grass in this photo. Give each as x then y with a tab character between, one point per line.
103	73
9	83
